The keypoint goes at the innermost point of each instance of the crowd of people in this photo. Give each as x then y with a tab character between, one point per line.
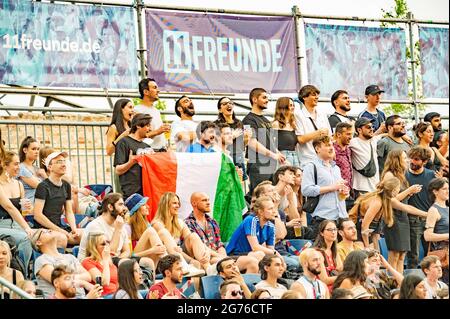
344	184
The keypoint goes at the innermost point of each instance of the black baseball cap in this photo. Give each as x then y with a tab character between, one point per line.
361	122
373	89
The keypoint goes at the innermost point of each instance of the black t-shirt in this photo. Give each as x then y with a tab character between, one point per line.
131	181
421	199
336	118
55	198
263	132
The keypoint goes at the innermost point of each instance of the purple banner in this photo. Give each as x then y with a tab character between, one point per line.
221	53
351	58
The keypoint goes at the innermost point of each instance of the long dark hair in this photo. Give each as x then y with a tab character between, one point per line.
221	118
435	185
25	144
126	279
408	286
354	266
117	115
320	241
281	108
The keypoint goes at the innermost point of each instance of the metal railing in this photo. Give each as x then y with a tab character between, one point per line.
13	290
85	142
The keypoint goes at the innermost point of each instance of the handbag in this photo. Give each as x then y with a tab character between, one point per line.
442	254
311	203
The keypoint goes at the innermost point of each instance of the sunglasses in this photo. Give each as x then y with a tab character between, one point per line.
107	242
237	292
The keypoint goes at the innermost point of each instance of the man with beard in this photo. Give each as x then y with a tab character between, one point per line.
343	136
262	153
308	285
272	268
372	112
184	130
170	267
148	89
63	280
417	174
127	151
347	230
435	119
206	135
341	103
363	151
396	128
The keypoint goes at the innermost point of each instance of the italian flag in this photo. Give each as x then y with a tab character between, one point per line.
185	173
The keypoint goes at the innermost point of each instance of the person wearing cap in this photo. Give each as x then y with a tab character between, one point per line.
145	241
128	149
372	112
53	198
364	152
183	131
341	103
44	241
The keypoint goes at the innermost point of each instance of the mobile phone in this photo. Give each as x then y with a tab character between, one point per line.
98	280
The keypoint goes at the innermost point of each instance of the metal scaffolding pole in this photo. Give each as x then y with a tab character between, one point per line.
413	67
392	20
296	15
139	5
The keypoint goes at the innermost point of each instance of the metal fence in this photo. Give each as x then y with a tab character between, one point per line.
12	289
85	142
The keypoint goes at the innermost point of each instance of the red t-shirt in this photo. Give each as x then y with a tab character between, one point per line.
162	290
89	263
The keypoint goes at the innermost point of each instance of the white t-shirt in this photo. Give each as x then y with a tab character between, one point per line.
430	291
360	158
159	141
276	292
99	225
306	152
179	126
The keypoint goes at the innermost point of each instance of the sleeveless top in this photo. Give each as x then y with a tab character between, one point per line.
314	289
4	214
14	282
435	164
441	227
286	140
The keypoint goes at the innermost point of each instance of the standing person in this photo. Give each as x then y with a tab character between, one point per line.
262	153
397	235
424	133
130	277
53	199
326	243
272	269
417	174
343	136
149	92
413	287
206	137
431	266
170	267
240	137
6	272
309	285
29	173
372	111
437	224
347	230
435	119
12	222
341	104
364	158
284	125
183	130
127	151
310	124
328	185
396	129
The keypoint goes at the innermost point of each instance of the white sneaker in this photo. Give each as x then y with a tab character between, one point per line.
192	271
211	270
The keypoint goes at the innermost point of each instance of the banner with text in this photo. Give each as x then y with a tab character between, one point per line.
62	45
434	61
351	58
221	53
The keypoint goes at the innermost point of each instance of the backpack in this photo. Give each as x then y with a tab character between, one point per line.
16	262
147	276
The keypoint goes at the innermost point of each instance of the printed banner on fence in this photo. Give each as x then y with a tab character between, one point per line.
220	53
434	61
64	45
351	58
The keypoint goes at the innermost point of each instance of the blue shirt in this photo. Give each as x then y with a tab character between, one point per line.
329	207
199	148
251	226
376	119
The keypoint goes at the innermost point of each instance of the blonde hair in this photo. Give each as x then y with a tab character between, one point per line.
281	111
258	205
306	254
7	159
169	221
5	245
396	166
138	224
91	246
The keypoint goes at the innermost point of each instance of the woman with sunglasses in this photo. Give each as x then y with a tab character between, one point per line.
130	277
425	134
99	263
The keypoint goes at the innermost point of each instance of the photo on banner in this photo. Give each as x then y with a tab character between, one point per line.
434	62
199	52
353	57
67	45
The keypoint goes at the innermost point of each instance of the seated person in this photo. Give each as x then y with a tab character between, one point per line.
45	242
28	286
6	272
272	269
63	281
341	293
228	269
230	289
348	232
130	277
170	267
431	266
53	198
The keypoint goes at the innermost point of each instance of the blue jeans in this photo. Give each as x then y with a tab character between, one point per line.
10	227
292	263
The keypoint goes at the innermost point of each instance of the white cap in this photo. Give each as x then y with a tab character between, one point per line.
54	155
